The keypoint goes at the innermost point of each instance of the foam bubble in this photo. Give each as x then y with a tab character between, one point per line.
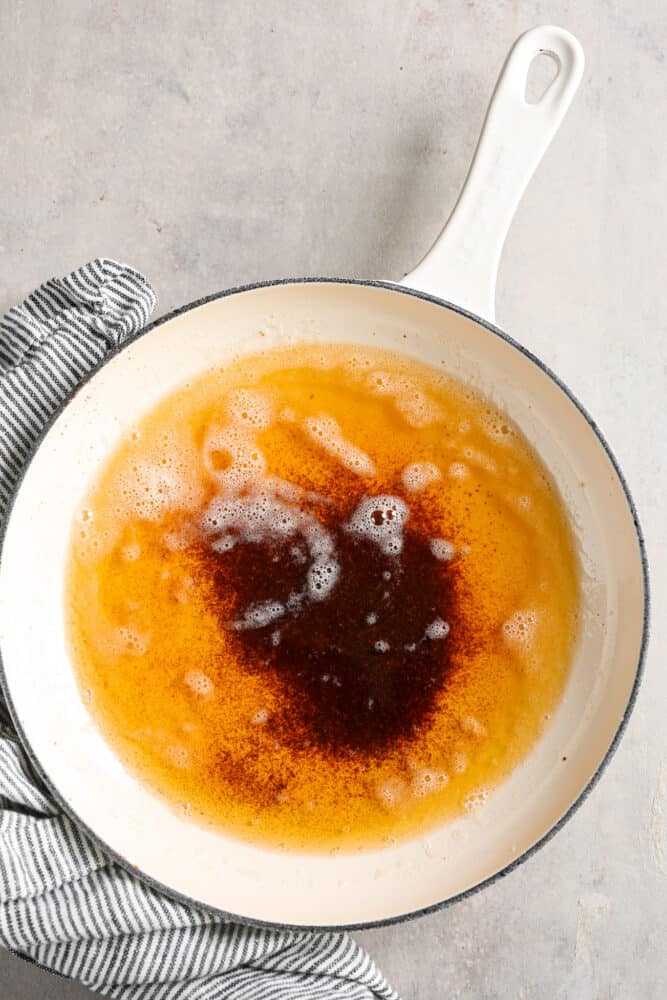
438	629
262	516
418	475
250	407
225	543
471	725
497	427
324	570
391	792
130	640
260	614
476	800
260	718
322	578
198	682
150	489
481	459
232	457
441	549
130	553
381	646
459	763
250	518
230	453
356	361
371	618
520	628
427	782
458	470
381	519
412	403
182	538
326	432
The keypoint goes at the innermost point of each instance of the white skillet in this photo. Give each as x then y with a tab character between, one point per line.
311	890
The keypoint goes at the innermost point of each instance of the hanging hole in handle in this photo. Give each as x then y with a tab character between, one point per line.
542	74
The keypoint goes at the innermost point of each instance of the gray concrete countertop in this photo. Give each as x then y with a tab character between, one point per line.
216	143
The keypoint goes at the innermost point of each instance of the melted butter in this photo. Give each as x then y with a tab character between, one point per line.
324	597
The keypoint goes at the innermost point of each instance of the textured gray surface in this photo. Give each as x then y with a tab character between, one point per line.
215	143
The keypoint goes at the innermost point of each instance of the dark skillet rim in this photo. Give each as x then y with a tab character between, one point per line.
585	792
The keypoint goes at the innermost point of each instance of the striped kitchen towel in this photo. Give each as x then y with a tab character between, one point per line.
63	903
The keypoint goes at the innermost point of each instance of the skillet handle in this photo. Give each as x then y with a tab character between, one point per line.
462	265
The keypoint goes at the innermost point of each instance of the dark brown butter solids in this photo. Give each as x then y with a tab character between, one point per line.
355	672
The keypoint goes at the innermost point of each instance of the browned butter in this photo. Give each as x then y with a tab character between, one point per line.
323	597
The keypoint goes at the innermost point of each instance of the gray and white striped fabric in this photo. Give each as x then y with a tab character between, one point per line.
63	903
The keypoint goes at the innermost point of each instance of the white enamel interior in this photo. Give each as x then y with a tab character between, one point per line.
213	869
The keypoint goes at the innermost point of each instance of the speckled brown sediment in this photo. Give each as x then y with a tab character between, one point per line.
424	676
